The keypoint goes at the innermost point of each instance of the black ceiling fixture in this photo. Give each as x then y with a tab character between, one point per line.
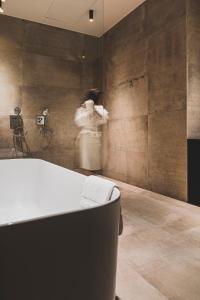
1	5
91	15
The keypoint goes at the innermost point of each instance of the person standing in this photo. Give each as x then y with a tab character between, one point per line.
90	117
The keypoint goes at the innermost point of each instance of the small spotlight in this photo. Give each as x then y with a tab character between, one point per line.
1	6
83	55
91	15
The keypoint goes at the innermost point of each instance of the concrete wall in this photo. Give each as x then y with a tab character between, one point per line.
146	65
193	59
145	93
42	66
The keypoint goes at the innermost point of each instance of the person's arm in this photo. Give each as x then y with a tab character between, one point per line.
102	114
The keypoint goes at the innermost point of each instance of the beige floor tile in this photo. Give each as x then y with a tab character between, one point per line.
132	286
159	251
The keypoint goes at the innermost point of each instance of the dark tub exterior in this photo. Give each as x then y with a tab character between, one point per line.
65	257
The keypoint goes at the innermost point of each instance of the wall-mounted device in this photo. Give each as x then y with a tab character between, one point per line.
42	119
16	121
19	140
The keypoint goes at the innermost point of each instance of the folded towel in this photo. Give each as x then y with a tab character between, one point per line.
98	189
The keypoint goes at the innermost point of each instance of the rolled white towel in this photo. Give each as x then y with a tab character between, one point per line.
97	189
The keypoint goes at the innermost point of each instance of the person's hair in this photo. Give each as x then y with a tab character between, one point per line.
93	94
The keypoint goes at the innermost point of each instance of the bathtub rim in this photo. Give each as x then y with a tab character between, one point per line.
48	216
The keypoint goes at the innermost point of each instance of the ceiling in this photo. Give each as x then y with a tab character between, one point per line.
73	14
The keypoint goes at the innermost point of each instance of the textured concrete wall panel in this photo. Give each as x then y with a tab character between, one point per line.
145	93
42	66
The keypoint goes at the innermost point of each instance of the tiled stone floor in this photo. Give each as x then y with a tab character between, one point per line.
159	251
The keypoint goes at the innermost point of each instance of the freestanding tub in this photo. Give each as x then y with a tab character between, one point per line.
50	247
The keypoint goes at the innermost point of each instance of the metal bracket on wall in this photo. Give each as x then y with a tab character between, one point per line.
131	81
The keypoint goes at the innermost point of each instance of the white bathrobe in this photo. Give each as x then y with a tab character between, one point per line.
90	118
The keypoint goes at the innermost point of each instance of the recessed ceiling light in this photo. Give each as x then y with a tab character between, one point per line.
91	15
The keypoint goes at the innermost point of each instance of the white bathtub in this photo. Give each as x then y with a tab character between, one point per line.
50	247
33	188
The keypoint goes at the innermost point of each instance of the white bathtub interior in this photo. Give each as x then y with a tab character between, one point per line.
32	188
